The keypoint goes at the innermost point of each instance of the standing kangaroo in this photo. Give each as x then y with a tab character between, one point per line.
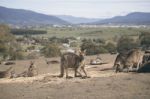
32	70
47	62
72	60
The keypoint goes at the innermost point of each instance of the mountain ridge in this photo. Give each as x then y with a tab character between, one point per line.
77	20
135	18
27	17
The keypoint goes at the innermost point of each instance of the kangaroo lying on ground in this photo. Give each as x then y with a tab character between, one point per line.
32	71
6	74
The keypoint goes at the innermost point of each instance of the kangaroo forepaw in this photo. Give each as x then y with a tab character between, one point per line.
60	76
78	76
84	77
68	77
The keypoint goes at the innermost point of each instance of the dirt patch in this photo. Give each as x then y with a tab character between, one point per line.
101	85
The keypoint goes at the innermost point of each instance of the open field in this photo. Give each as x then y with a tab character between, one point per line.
101	85
97	32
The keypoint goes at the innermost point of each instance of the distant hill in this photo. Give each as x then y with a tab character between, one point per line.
26	17
77	20
136	18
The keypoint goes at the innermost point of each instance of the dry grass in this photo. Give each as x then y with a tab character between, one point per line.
101	85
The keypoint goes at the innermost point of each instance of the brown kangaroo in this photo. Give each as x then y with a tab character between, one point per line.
6	74
72	60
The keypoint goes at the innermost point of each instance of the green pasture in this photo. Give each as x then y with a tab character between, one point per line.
98	32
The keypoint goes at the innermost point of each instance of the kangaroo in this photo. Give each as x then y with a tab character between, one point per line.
129	60
72	60
47	62
6	74
32	70
134	59
119	62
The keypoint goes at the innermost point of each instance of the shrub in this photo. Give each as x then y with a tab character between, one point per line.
3	48
17	55
5	35
126	43
31	47
145	39
59	40
51	50
74	44
27	32
111	47
92	48
33	55
99	41
5	39
15	52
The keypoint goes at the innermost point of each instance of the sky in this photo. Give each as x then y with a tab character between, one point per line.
81	8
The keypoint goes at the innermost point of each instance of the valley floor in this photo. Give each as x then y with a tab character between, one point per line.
101	85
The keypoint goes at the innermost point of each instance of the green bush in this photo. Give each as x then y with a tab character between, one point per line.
58	40
17	55
33	55
3	48
15	52
145	39
126	43
31	47
111	47
5	35
27	32
51	50
5	40
93	48
74	44
102	49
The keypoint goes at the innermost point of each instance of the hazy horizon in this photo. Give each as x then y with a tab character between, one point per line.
81	8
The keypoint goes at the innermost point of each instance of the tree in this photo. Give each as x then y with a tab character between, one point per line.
111	47
5	38
126	43
145	39
8	46
5	35
92	48
51	50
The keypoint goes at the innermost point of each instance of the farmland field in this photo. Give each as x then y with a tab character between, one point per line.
93	32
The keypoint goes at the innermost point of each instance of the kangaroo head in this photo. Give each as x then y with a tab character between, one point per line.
82	53
31	62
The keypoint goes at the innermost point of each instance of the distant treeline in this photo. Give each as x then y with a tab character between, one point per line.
26	31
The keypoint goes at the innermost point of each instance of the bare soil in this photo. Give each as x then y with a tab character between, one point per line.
101	85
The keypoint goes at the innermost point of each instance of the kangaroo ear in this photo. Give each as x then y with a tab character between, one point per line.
31	62
79	50
84	51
